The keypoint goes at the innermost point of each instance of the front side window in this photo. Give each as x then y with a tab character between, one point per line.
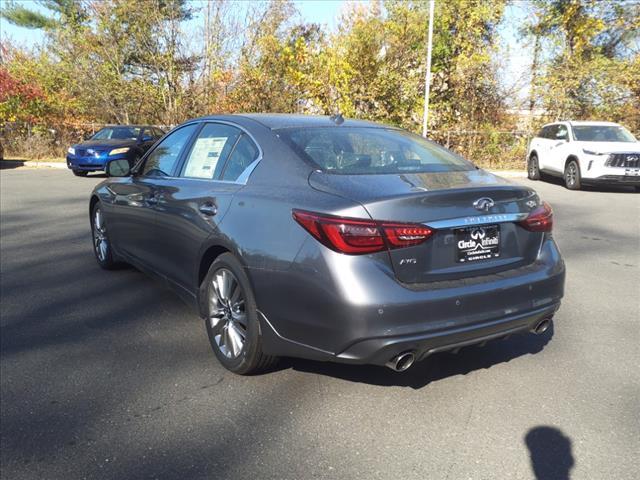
162	160
210	150
562	133
602	133
119	133
243	155
365	150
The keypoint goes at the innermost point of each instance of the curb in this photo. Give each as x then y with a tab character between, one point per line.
13	164
37	164
509	173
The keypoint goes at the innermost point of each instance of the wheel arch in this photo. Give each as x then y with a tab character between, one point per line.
532	153
208	255
94	199
571	158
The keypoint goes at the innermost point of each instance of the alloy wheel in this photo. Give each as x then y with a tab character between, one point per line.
227	315
571	174
100	239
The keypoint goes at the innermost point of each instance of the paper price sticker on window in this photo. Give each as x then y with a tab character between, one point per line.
204	157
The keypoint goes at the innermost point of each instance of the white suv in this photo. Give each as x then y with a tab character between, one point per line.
585	153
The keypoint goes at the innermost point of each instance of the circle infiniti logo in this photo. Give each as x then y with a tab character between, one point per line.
478	233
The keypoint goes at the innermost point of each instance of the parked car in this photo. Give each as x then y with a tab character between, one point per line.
330	240
119	142
585	153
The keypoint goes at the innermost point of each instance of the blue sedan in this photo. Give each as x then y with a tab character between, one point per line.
128	142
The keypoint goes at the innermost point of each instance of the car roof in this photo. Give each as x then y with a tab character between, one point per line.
583	122
129	125
276	121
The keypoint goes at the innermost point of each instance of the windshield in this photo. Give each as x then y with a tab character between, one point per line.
602	133
363	150
119	133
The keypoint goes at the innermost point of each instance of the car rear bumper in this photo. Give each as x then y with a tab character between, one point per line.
369	317
378	351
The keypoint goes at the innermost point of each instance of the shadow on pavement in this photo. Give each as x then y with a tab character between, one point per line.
436	367
589	188
550	452
8	164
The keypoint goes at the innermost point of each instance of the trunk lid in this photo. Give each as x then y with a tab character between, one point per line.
445	202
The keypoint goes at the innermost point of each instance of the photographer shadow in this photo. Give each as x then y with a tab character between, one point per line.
550	452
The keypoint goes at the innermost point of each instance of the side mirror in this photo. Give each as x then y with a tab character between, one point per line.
118	168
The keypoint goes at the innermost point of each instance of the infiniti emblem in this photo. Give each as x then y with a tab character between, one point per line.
484	203
478	233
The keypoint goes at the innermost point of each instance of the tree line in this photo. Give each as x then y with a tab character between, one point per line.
165	61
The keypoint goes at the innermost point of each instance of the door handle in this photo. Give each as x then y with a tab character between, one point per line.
208	209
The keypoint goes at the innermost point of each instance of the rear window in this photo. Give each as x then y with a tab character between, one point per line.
362	150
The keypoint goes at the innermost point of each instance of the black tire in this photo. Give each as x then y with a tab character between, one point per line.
100	236
80	173
224	318
533	170
637	189
572	178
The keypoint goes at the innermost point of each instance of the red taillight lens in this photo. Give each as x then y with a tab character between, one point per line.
539	220
352	236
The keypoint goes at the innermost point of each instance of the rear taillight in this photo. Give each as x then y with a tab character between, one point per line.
353	236
540	219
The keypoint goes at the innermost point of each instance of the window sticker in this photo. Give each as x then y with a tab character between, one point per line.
204	157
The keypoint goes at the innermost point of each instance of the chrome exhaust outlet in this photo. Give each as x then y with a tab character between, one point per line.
542	327
401	362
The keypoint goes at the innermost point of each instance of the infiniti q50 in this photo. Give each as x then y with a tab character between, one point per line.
330	239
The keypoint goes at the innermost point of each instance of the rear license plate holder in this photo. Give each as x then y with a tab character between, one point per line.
477	243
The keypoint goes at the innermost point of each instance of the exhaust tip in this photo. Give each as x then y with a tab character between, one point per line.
401	362
542	327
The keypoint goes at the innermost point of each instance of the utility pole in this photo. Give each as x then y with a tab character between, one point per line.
427	82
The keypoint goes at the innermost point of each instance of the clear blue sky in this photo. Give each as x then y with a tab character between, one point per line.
515	57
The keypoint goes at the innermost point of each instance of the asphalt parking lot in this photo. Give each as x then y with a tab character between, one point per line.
108	375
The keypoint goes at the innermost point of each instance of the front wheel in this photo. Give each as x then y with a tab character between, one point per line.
572	178
232	317
533	170
101	243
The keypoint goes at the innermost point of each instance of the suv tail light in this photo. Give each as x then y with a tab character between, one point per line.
353	236
540	219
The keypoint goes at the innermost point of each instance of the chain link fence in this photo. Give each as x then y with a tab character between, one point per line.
489	149
37	141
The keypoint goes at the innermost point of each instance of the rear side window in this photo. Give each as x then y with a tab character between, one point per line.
243	155
364	150
210	151
551	131
162	160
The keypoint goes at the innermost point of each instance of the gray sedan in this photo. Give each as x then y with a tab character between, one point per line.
330	239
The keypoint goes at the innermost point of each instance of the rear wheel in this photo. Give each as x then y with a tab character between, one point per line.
572	178
232	318
533	170
80	173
